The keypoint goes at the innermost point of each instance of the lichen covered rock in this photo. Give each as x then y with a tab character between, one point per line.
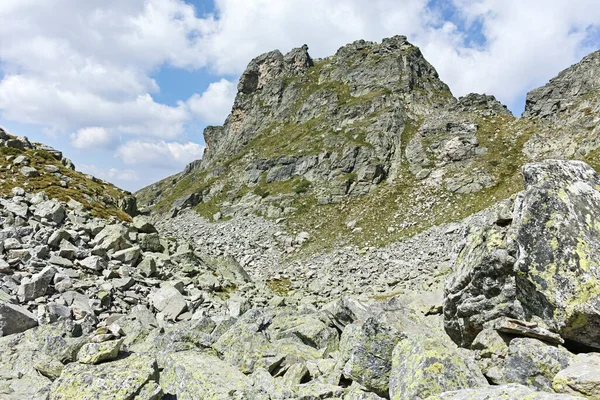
194	375
424	366
581	377
544	267
121	379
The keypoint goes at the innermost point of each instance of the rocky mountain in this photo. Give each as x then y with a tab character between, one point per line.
334	144
37	167
91	309
369	237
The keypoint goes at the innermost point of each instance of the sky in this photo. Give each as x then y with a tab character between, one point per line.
125	88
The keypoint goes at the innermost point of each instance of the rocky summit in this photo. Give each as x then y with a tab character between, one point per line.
352	232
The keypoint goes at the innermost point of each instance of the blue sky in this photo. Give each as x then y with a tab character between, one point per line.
126	88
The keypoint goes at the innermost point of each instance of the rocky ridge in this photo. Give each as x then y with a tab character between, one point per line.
36	166
373	131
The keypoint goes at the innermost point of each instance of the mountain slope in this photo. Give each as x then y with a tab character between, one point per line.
369	145
37	167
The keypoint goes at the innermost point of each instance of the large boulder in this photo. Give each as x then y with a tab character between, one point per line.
423	366
581	377
504	392
531	362
544	267
195	375
131	377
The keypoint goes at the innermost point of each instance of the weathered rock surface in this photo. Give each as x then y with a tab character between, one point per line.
425	366
581	377
543	267
128	378
504	392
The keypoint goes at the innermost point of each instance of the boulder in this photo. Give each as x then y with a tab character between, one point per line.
129	256
29	172
581	377
531	362
51	210
112	238
94	263
15	319
542	268
37	285
370	359
504	392
95	353
143	224
423	366
168	301
127	378
195	375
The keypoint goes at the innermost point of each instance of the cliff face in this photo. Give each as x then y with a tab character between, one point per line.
566	112
373	127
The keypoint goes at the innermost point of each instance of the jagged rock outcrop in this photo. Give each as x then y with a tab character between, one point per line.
540	264
567	114
566	90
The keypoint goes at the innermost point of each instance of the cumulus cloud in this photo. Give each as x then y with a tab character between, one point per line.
111	174
91	66
67	65
160	154
92	138
214	104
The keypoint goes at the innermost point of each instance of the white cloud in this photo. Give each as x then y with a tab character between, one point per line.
215	103
159	154
68	65
112	174
92	138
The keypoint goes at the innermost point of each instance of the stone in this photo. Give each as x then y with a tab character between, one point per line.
542	268
195	375
51	210
490	343
150	242
581	377
95	353
168	301
147	267
121	379
143	224
112	238
424	366
37	285
523	328
93	263
57	237
15	319
504	392
533	363
370	360
129	256
29	172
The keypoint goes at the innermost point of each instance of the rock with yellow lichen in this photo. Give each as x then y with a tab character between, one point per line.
503	392
131	377
530	362
423	366
194	375
544	267
581	377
